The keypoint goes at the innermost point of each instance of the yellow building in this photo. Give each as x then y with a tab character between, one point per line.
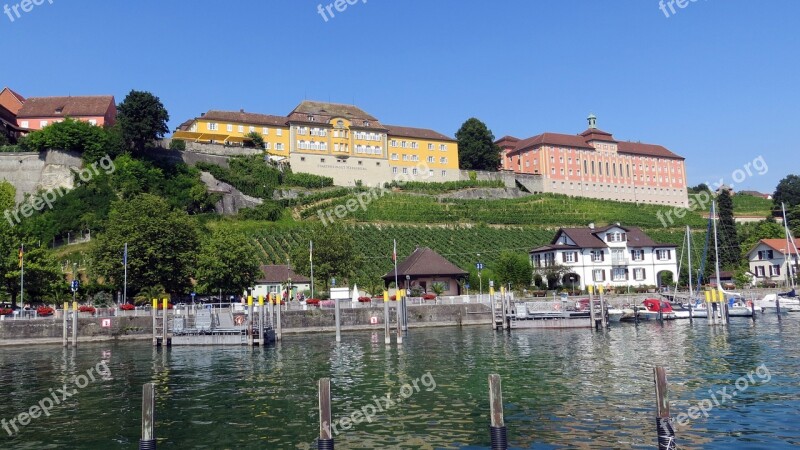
336	140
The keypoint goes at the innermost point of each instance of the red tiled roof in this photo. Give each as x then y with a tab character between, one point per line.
564	140
425	262
15	94
775	244
324	112
281	274
418	133
594	134
637	148
66	106
245	118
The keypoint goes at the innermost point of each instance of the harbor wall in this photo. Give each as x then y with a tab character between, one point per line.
47	330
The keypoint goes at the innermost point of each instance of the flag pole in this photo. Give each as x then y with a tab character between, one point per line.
311	260
125	285
22	274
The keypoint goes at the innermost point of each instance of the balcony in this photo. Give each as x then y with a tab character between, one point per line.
619	261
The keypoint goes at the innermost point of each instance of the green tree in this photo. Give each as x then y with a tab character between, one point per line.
71	135
255	139
42	274
750	233
730	256
142	119
514	268
8	195
334	255
788	192
476	147
162	245
227	261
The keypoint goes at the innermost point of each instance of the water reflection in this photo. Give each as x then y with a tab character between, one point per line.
562	389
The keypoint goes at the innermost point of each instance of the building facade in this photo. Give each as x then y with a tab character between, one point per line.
594	164
275	280
612	256
771	261
336	140
39	112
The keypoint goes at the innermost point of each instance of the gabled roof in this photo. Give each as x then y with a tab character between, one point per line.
594	134
11	100
417	133
323	113
280	274
586	237
638	148
778	245
564	140
14	93
244	118
425	262
66	106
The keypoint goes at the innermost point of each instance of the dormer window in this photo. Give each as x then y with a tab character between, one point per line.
340	124
616	237
366	123
311	118
59	110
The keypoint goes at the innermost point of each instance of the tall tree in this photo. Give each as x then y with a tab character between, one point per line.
227	261
42	274
162	245
788	192
334	255
476	147
142	119
730	255
513	268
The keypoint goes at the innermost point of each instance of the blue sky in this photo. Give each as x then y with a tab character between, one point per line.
716	82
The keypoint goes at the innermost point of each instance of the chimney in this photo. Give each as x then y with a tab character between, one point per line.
591	226
202	114
241	110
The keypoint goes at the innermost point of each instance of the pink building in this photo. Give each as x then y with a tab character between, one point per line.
11	101
38	112
594	164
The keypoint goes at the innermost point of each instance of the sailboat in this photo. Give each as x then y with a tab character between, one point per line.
788	301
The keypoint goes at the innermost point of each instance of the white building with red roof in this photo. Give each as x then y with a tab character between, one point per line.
594	164
772	259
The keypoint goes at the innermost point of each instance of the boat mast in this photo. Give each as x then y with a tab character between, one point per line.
789	245
689	252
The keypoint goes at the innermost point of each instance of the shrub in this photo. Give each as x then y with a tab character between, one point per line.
364	299
313	301
127	307
307	180
6	312
269	210
87	309
429	297
177	144
45	311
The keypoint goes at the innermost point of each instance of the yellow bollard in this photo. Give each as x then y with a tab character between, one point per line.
591	288
74	306
249	300
385	296
155	303
260	300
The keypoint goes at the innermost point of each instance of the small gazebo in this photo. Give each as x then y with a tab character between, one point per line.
423	268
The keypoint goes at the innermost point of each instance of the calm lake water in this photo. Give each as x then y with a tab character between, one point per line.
562	389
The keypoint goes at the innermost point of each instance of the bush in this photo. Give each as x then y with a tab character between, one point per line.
269	210
6	312
429	297
87	309
365	299
127	307
45	311
177	144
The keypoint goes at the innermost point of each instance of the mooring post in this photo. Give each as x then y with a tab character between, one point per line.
388	337
591	307
497	429
338	317
778	305
74	324
709	308
261	315
250	321
155	331
165	322
65	324
399	318
325	441
666	434
603	309
148	441
278	301
753	309
494	309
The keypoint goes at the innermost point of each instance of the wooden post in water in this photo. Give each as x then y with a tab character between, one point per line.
261	315
709	308
164	322
753	309
338	318
666	435
603	317
74	324
399	317
155	313
148	441
279	332
494	309
591	307
250	321
325	441
388	337
497	429
65	324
